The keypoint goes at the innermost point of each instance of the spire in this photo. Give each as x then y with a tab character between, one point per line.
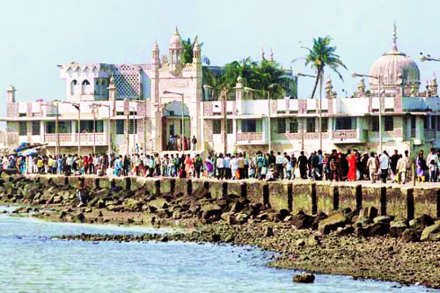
395	38
271	55
262	55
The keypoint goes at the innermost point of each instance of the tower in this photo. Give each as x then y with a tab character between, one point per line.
175	53
11	94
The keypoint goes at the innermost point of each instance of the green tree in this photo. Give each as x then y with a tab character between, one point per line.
322	54
188	51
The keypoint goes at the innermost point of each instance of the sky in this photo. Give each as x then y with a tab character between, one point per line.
38	35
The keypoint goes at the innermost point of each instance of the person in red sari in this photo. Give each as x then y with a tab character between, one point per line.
351	158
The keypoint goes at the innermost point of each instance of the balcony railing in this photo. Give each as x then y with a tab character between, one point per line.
250	136
86	138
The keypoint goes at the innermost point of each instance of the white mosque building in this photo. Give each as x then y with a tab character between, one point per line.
137	107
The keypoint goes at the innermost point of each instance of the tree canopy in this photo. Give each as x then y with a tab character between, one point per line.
320	55
261	77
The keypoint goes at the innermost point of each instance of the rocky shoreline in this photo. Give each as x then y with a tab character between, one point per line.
358	242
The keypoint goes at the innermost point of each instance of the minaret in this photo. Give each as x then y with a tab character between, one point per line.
175	52
197	58
271	55
112	93
328	88
155	54
11	94
434	86
262	55
361	88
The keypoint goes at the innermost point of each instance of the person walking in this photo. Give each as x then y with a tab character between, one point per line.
193	143
302	165
372	167
384	163
351	176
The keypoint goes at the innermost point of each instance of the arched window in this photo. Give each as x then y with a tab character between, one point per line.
73	85
85	87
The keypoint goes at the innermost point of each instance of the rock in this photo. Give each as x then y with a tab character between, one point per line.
304	278
431	232
343	231
313	240
300	242
164	238
302	221
216	238
282	214
80	218
397	227
115	208
369	213
378	229
410	235
383	219
268	232
241	218
332	223
132	205
422	222
318	218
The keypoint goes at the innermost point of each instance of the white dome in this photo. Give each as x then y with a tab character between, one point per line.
392	67
395	69
176	40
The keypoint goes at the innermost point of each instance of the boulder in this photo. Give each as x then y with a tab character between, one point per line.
313	240
369	213
211	211
241	218
410	235
304	278
343	231
282	214
80	218
332	223
300	243
431	232
302	221
397	227
422	222
132	205
383	219
268	232
378	229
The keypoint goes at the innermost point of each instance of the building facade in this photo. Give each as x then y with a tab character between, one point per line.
134	108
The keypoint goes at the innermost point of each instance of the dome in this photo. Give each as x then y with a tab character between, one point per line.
394	68
176	40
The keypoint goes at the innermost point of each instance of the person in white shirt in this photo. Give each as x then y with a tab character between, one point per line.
234	167
279	164
401	170
384	163
220	165
432	156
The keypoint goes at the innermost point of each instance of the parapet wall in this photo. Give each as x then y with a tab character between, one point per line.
311	197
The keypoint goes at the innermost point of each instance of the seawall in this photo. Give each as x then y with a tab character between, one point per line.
405	202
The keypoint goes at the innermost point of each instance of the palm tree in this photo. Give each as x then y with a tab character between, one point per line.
320	55
188	51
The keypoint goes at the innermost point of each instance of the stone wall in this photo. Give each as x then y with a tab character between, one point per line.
311	197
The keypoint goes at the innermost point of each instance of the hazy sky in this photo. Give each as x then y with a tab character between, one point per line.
38	35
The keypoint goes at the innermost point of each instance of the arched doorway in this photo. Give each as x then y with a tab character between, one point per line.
173	128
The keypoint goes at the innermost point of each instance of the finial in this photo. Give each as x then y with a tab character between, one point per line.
395	37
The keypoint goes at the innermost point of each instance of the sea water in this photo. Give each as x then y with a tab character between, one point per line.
30	261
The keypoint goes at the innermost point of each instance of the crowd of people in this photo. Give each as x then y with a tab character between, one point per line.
334	166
